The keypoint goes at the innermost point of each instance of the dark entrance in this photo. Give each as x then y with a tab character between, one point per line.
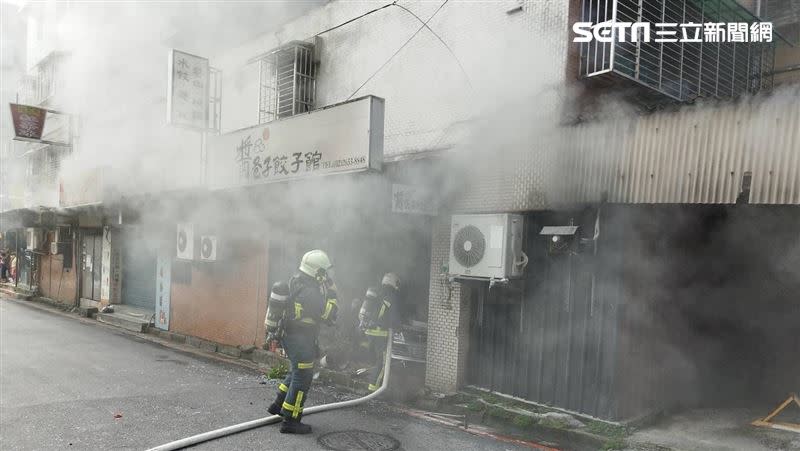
138	270
91	264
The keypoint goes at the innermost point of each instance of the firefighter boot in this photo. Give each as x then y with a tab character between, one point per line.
275	407
294	426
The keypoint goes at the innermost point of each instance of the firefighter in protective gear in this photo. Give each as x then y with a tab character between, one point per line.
295	311
377	315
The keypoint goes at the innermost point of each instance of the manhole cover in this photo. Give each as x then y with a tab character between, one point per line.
356	440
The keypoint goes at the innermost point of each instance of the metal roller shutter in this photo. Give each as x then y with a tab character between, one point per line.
138	270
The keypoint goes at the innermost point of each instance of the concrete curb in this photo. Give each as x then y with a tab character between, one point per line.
541	424
248	357
262	358
10	291
255	359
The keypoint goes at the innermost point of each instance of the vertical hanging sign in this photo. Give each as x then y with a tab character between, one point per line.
28	122
188	85
163	284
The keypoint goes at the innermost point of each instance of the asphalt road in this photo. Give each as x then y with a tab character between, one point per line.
66	384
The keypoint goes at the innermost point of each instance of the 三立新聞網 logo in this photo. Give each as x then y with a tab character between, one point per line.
611	31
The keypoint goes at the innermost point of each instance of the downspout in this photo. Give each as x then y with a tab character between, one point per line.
76	269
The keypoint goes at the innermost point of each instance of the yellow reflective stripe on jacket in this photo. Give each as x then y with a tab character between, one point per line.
377	332
386	305
305	365
283	388
298	314
329	308
288	406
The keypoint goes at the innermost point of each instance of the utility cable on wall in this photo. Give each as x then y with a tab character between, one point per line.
424	24
356	18
452	53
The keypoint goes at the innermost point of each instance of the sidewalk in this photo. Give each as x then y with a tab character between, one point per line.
262	361
715	430
492	416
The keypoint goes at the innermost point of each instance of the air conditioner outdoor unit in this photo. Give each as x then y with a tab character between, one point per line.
185	241
487	246
208	248
34	238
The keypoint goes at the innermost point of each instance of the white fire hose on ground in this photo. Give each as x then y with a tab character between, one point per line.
272	419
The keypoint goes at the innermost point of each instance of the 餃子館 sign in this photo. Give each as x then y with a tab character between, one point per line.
346	137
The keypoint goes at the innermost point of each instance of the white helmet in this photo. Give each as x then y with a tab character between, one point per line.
391	280
315	263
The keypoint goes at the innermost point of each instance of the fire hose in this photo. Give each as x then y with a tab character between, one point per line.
272	419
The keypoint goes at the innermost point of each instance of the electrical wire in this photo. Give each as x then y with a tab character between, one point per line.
356	18
424	24
452	53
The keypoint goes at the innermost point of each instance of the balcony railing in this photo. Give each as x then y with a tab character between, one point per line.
40	85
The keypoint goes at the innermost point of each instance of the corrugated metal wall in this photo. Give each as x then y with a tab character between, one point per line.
696	155
682	305
557	345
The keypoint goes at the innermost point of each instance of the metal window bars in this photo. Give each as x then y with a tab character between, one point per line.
44	163
679	70
40	85
287	83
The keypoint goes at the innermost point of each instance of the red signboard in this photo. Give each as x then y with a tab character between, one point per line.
28	121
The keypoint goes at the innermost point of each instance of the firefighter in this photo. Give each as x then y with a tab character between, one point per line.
296	310
377	315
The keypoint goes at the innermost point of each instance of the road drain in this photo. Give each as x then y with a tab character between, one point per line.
356	440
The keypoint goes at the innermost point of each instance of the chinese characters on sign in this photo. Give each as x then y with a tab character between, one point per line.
255	163
28	121
410	199
673	32
343	138
188	90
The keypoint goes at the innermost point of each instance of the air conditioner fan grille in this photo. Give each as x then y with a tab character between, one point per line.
182	240
206	247
469	246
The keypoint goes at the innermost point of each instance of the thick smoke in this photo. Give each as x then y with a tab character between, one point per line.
511	122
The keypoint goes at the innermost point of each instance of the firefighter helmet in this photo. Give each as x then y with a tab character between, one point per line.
391	279
315	263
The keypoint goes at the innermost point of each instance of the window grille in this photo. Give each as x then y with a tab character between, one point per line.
681	70
287	81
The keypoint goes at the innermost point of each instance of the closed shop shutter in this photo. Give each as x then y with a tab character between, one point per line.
138	270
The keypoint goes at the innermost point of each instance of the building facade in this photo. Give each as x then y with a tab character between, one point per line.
681	210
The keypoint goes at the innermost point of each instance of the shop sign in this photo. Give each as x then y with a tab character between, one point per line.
413	200
187	99
28	121
347	137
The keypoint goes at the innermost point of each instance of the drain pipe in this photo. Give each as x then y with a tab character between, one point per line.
272	419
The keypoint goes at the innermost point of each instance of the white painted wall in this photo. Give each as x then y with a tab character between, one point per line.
428	97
